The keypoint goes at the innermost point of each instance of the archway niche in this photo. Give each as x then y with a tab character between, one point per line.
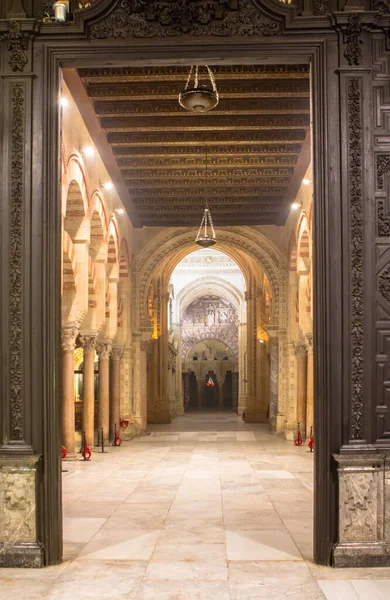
260	302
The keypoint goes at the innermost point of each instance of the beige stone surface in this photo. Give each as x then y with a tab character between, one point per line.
168	521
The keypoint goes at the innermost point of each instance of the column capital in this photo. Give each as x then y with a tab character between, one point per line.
103	349
116	352
309	341
300	349
87	341
69	334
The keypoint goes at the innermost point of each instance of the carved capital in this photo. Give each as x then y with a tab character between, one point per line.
300	349
103	349
116	352
146	345
68	338
309	341
87	342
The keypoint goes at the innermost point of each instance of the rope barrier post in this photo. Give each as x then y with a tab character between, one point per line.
85	445
102	434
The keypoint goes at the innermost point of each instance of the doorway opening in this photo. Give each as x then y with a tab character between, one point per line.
176	329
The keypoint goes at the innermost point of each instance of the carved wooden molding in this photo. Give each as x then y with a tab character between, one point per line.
16	369
17	46
355	192
353	31
159	18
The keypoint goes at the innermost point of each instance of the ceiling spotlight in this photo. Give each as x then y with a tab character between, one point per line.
120	211
295	205
88	150
306	181
64	101
108	185
261	341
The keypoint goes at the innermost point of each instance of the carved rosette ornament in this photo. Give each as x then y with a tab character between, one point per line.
68	338
355	192
103	349
171	18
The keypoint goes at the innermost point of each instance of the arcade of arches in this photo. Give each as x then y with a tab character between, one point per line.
148	319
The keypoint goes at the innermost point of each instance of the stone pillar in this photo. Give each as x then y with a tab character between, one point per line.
310	385
103	349
115	389
274	381
69	334
142	407
88	343
291	409
301	354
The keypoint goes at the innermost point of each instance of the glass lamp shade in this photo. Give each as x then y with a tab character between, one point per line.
199	99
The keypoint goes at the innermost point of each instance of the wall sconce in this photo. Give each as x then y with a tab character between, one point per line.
60	10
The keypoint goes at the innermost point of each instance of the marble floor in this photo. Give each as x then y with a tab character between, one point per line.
206	508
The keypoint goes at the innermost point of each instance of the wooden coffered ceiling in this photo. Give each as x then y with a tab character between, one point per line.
257	141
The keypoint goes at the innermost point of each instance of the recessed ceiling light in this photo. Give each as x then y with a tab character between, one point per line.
88	150
108	185
64	101
295	205
120	211
306	181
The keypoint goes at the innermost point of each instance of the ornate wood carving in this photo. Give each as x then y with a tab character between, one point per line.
356	253
17	46
382	245
169	18
353	31
16	263
382	167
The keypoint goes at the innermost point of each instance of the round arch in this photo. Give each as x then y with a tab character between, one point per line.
249	249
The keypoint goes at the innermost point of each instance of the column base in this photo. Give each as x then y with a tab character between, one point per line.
21	555
280	423
255	416
361	555
71	456
161	419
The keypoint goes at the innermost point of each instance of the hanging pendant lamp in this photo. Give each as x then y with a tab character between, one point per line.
210	382
206	234
199	97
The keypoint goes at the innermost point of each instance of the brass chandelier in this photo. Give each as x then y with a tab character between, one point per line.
206	234
199	97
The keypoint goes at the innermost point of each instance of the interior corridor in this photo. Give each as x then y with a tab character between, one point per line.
205	508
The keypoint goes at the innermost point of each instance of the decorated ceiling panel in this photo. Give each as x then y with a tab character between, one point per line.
256	140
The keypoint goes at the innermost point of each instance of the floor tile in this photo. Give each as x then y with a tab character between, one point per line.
261	545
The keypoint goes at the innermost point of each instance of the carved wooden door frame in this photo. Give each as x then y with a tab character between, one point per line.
276	35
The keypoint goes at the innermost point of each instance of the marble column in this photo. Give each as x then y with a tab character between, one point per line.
310	385
88	343
301	355
69	334
115	389
103	348
274	381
